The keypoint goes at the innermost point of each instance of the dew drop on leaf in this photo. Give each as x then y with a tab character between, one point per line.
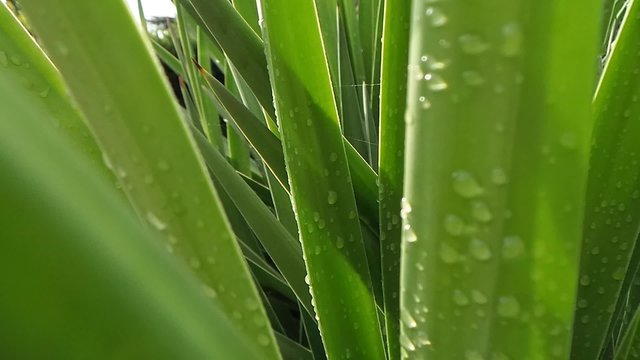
435	82
4	59
332	197
405	208
585	280
478	297
508	307
459	298
407	319
472	44
436	17
449	255
479	250
512	40
453	225
473	78
481	211
263	340
498	176
465	185
512	247
406	342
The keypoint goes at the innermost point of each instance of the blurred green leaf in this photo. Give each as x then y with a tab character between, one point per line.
148	146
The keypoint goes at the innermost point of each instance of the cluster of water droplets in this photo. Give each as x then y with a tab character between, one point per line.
12	60
431	65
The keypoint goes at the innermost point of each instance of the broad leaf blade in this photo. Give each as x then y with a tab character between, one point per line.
393	100
499	121
81	277
148	145
320	181
612	217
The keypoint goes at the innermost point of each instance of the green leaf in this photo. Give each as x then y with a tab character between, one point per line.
245	50
612	217
23	64
239	42
81	278
393	100
630	346
148	145
283	249
320	182
498	126
269	147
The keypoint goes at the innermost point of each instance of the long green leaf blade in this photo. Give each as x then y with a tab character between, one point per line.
228	28
283	249
630	345
499	121
612	218
393	100
81	278
148	145
320	181
23	64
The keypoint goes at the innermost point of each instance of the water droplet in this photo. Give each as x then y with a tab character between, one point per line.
163	165
583	303
499	177
508	307
466	185
585	280
307	279
618	274
333	157
595	250
436	17
454	225
481	212
407	319
340	243
406	342
472	78
156	222
352	214
4	60
512	247
449	255
512	42
44	93
410	235
472	44
209	291
459	298
479	250
251	304
422	339
478	297
332	197
405	208
263	340
15	60
435	82
433	63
